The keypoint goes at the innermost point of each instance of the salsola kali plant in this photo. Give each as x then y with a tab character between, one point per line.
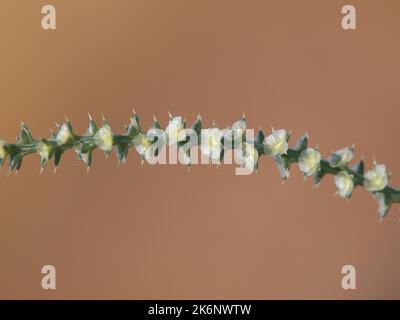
214	145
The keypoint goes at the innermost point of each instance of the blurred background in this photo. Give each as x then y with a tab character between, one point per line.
161	232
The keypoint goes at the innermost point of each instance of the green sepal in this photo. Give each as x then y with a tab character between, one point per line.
121	151
133	128
43	162
283	162
319	175
259	142
15	161
57	156
25	136
197	126
156	125
221	156
359	167
92	129
301	143
2	161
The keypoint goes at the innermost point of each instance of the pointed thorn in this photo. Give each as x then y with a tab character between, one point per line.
154	118
103	117
90	117
55	169
243	116
88	169
41	171
169	114
133	111
272	128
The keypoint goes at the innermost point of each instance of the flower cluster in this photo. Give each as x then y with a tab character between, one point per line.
213	143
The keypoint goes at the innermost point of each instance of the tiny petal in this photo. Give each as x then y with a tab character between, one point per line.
276	143
376	179
175	130
344	184
104	138
44	149
211	143
143	146
64	135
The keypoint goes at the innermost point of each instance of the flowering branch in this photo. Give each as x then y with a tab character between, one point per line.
213	144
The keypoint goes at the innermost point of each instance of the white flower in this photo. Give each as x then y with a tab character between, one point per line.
211	143
104	138
143	146
64	135
250	156
238	129
383	203
344	184
184	157
276	143
309	161
3	152
376	179
341	157
175	130
44	150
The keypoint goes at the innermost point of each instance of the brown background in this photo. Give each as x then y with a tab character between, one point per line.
159	231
